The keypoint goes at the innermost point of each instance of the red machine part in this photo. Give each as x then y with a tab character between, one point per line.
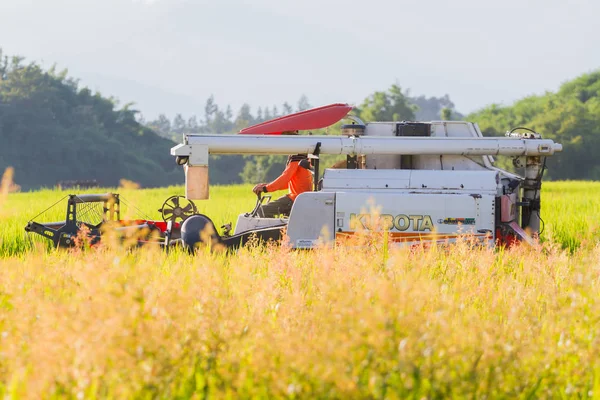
158	224
163	225
506	238
315	118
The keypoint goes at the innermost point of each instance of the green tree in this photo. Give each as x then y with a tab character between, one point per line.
430	108
244	118
220	122
52	130
210	108
303	103
287	108
570	116
162	125
267	114
446	114
192	124
263	168
391	105
179	124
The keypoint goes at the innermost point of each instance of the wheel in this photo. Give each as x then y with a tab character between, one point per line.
198	229
177	209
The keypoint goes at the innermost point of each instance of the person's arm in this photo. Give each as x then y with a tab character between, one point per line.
282	181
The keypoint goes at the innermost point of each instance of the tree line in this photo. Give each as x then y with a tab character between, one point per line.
570	116
216	119
51	129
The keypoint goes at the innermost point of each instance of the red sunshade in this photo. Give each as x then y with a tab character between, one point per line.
315	118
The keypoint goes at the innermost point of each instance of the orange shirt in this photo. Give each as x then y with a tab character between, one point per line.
295	178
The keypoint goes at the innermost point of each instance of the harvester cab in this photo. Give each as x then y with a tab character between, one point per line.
419	181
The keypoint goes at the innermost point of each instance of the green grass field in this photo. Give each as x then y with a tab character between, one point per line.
369	322
570	210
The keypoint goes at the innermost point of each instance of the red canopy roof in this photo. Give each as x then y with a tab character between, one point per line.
315	118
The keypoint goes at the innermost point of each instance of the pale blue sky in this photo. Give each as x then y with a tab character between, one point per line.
170	55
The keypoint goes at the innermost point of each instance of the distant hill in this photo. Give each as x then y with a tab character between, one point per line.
570	116
52	130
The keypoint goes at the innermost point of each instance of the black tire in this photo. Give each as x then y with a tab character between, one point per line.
199	230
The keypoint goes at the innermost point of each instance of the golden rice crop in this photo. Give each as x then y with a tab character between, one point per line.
341	323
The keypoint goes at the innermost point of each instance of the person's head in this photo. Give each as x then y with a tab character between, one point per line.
296	157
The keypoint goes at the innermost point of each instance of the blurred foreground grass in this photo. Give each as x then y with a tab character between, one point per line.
273	323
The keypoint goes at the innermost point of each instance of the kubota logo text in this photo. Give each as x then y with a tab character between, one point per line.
400	222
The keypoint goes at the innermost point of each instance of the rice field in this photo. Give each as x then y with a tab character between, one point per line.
570	210
369	322
226	203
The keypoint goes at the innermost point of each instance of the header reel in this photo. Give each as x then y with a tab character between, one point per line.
177	208
92	215
86	211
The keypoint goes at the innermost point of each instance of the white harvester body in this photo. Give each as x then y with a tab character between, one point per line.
432	181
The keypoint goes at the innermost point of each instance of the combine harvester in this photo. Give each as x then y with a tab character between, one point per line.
431	181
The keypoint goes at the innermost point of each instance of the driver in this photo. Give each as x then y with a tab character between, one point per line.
295	178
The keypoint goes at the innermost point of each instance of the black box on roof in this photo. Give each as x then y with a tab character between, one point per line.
413	129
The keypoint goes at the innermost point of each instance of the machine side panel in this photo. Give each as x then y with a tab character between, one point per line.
454	180
412	217
458	163
365	178
460	181
247	223
311	220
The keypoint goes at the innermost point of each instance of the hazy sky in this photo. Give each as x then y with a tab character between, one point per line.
170	55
